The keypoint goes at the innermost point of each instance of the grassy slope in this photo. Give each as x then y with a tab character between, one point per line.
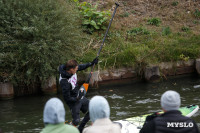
140	49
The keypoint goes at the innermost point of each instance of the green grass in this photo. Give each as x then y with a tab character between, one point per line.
185	29
197	13
125	14
138	31
175	3
120	52
196	21
147	43
166	31
154	21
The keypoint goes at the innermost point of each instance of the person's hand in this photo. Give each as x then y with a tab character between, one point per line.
80	94
95	61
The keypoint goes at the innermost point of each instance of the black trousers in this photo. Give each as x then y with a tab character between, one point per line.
83	106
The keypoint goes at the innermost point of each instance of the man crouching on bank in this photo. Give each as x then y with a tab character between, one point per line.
172	121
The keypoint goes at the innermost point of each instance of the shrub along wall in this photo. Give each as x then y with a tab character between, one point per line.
35	37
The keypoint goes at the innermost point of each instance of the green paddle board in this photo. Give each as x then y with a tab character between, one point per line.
134	124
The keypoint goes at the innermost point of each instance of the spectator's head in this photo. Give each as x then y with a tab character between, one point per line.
99	108
170	100
71	66
54	111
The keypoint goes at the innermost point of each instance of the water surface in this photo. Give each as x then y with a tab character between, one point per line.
126	99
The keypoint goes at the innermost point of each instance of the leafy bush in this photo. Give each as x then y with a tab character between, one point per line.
166	31
35	37
138	31
184	58
196	22
133	12
93	20
125	14
154	21
185	29
175	3
197	13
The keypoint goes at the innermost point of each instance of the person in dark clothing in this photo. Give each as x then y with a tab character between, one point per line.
73	97
171	121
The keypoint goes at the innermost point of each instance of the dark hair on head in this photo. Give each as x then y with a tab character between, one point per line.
71	64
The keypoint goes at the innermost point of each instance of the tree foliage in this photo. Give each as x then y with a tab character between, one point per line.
35	37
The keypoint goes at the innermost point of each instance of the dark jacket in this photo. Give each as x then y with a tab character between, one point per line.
168	123
70	96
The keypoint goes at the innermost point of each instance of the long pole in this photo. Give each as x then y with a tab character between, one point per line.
90	75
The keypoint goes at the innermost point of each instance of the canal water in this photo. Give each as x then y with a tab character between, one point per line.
126	99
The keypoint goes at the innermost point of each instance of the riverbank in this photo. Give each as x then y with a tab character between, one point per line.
147	32
151	73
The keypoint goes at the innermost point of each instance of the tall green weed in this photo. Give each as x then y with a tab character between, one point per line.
93	20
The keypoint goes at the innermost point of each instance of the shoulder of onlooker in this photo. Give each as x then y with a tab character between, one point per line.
116	125
87	129
116	128
72	129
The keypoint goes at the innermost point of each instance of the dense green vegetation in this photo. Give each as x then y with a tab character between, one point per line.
141	50
36	36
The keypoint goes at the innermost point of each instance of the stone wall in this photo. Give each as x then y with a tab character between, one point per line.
152	73
197	66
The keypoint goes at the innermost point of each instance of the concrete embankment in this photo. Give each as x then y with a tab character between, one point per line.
151	73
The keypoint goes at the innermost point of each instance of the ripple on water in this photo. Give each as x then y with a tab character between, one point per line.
34	130
122	113
196	86
185	89
116	107
149	107
114	96
147	101
153	111
156	95
196	99
130	106
13	122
